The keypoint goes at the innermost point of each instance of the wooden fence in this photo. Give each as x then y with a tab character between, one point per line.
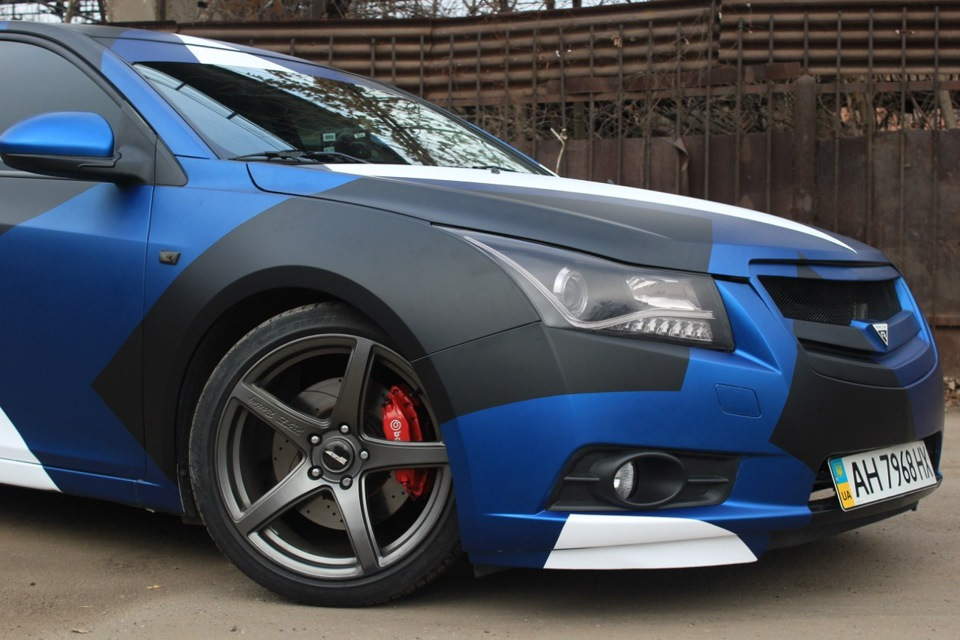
839	114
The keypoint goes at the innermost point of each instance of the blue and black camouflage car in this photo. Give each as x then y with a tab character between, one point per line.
354	335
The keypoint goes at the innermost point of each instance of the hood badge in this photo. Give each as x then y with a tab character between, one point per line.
882	331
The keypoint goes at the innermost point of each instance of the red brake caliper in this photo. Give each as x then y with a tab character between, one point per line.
400	424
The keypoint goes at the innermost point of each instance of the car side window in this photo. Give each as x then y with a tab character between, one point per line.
36	80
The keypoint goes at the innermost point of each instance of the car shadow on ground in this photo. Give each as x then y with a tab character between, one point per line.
822	567
94	523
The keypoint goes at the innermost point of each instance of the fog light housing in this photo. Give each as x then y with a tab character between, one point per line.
623	480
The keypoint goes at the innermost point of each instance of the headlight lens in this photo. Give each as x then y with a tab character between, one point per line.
574	290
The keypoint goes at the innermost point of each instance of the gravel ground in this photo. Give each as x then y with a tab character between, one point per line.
74	567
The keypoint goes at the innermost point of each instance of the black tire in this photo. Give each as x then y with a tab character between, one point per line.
294	477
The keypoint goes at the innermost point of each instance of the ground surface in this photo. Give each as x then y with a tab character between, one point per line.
80	568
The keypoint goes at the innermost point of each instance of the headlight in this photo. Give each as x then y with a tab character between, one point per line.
573	290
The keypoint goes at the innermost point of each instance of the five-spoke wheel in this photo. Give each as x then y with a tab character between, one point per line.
296	475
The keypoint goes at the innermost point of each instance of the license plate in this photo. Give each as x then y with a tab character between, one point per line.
871	476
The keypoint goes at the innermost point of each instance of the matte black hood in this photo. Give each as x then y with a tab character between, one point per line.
630	225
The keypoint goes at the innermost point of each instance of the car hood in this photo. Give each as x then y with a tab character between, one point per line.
630	225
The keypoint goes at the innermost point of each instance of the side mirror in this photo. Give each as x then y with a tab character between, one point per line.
68	144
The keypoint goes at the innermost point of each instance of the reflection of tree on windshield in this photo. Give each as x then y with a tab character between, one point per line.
313	113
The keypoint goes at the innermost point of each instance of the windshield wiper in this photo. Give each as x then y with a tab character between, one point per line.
302	156
493	167
291	155
335	156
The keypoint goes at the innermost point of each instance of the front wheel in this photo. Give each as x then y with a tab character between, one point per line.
295	476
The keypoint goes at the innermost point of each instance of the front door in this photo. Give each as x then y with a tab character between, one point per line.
71	293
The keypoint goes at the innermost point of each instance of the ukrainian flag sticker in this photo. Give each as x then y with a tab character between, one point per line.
838	473
842	484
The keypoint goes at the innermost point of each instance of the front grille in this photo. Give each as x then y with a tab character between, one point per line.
833	301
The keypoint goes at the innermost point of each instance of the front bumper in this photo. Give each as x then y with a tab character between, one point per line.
514	430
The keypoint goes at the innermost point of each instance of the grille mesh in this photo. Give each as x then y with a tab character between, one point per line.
833	301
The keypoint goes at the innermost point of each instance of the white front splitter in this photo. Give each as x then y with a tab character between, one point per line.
642	542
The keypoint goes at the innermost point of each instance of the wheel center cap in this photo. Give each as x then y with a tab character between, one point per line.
336	455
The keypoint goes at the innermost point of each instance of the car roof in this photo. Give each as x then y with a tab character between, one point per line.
89	40
58	31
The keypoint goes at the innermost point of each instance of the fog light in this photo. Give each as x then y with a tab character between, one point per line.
623	481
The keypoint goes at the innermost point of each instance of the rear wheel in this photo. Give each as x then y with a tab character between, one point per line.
294	476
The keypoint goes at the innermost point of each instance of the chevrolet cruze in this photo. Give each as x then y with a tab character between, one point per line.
356	336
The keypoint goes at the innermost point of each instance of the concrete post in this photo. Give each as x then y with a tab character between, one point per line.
805	149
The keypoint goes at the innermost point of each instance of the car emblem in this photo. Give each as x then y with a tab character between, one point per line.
336	455
881	329
339	459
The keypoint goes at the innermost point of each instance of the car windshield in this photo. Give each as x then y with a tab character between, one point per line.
277	113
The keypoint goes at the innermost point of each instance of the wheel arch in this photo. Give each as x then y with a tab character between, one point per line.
237	310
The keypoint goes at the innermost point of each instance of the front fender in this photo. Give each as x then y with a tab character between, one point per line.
427	289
